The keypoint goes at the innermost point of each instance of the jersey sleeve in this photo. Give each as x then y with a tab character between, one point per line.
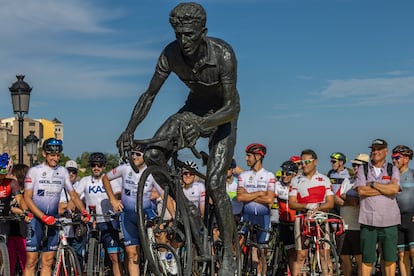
116	172
29	180
80	188
68	184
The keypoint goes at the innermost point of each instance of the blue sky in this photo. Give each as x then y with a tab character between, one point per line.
330	75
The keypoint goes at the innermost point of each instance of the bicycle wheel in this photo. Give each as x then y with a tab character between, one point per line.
67	264
95	265
330	257
4	259
180	227
275	263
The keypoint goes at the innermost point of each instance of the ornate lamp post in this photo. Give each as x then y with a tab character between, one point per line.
31	146
20	95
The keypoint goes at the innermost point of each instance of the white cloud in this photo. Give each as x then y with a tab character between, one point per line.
370	90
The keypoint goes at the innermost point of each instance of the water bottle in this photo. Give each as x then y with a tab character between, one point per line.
171	263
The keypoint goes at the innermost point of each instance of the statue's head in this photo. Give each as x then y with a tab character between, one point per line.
188	16
189	21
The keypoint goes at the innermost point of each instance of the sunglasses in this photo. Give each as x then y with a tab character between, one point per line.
73	171
287	173
355	165
187	174
306	162
334	161
397	157
136	153
99	165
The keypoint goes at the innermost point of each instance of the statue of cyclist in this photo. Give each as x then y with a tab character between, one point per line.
208	67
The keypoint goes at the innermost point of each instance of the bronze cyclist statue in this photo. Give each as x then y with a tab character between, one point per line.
208	67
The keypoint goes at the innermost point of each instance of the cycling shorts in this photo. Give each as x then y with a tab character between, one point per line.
129	227
286	234
264	222
352	243
109	235
37	238
370	235
406	232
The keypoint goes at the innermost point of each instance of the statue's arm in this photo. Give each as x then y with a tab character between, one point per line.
145	101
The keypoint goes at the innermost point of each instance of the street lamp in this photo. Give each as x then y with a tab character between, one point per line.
20	95
31	145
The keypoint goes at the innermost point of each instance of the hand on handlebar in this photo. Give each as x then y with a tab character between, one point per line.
117	206
86	217
49	220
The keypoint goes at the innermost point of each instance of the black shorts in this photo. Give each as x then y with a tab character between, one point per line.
286	234
352	243
406	232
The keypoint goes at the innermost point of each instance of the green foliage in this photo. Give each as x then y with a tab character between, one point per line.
84	169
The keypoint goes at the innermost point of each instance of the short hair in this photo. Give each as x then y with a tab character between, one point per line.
309	152
188	14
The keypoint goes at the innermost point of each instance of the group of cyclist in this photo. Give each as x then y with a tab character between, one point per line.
257	195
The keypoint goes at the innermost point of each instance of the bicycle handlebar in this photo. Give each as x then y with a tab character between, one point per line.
321	218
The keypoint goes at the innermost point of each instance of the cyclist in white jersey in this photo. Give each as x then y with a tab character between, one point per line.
257	190
92	188
195	191
43	186
232	183
127	203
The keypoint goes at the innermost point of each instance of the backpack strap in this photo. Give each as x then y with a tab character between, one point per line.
389	169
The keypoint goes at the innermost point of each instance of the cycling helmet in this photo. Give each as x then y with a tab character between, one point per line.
338	156
256	148
403	150
52	145
191	164
97	157
290	167
233	164
5	163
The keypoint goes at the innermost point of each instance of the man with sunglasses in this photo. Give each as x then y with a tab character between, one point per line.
379	214
401	156
286	213
194	190
208	67
91	187
309	191
348	199
257	191
66	206
127	204
43	187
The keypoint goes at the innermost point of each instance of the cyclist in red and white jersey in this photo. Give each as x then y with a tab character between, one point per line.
309	191
286	214
257	190
43	186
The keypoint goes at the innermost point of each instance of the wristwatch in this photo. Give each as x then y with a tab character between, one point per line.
372	184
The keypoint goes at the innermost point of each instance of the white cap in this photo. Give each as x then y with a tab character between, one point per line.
71	164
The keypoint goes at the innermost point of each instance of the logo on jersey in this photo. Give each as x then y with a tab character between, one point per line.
41	192
114	171
44	174
386	177
96	189
28	180
127	192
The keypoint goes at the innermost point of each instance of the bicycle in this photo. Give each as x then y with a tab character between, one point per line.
277	259
186	256
247	233
315	230
95	249
67	263
4	253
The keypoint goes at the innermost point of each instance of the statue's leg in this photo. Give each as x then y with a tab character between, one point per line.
221	154
158	154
